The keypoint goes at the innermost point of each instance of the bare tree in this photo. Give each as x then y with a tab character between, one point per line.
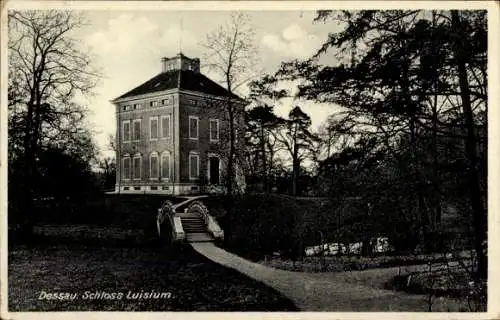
48	71
230	53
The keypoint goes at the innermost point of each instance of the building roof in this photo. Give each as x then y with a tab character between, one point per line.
179	79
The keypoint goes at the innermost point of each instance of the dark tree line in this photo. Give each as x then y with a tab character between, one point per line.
411	135
48	71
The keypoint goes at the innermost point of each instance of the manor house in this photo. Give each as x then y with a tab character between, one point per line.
173	131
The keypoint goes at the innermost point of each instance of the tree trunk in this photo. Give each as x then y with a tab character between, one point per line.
476	198
230	173
295	176
263	153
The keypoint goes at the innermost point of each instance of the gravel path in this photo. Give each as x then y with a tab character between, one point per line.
348	291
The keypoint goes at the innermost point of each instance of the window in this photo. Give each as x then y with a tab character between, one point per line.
165	165
137	106
165	126
193	127
194	161
126	168
214	130
153	166
165	101
137	167
126	130
137	129
154	103
153	128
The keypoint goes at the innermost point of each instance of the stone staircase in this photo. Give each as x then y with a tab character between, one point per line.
195	228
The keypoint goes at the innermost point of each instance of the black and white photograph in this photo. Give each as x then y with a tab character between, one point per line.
248	157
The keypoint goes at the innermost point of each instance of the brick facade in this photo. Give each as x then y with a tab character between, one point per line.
172	107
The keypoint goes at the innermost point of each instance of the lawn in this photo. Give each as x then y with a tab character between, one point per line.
107	246
190	281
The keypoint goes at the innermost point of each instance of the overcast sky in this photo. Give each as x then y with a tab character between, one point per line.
128	46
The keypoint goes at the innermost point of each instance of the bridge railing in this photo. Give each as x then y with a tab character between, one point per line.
167	211
212	226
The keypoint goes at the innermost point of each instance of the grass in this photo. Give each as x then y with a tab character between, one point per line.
111	247
108	244
194	283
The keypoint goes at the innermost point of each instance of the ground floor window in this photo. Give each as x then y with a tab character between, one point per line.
137	166
194	166
165	165
126	168
213	170
153	166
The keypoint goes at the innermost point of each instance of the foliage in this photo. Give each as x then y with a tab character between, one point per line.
412	86
261	143
49	73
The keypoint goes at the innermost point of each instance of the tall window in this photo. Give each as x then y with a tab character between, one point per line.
137	167
137	129
126	130
153	166
193	127
165	126
165	165
194	166
126	168
214	130
153	128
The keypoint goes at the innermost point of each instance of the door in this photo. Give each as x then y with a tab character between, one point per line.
214	170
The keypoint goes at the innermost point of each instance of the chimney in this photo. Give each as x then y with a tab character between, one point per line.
164	64
180	62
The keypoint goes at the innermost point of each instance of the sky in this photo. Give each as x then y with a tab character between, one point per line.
127	47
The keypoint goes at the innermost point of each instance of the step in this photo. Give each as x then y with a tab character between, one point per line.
193	223
197	222
198	237
187	228
188	215
192	220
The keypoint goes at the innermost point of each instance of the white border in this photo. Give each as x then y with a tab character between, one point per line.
493	144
